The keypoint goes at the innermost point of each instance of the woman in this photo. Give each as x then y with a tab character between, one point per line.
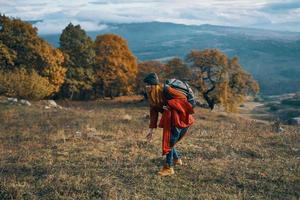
175	121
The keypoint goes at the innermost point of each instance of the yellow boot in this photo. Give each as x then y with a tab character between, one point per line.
178	162
166	171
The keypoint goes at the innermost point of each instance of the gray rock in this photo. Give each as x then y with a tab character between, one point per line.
13	100
25	102
59	107
52	103
47	107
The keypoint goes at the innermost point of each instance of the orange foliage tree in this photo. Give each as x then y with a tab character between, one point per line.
115	66
20	47
178	69
219	79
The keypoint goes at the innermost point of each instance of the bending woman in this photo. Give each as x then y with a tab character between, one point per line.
175	121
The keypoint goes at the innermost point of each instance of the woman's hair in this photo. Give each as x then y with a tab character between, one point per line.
155	95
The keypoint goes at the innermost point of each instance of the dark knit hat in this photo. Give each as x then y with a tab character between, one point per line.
151	79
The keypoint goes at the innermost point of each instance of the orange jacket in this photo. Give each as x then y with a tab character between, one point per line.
154	110
179	114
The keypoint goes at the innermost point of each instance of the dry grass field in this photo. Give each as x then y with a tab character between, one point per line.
97	150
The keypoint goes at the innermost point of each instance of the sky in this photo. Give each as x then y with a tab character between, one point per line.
95	15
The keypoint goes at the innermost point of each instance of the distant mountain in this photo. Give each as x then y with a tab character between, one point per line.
273	57
34	21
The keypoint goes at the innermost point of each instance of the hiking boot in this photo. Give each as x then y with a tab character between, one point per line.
166	171
178	162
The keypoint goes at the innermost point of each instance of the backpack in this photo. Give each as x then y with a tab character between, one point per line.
182	87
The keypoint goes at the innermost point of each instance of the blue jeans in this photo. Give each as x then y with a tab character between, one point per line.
176	134
171	156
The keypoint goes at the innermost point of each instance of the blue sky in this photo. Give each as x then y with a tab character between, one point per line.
95	14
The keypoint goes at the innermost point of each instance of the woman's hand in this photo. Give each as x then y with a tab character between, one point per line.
150	134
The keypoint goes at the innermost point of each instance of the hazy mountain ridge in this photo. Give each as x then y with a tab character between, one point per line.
273	57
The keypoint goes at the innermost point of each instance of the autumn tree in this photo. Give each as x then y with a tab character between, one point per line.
219	79
7	57
115	66
79	59
146	67
178	69
20	47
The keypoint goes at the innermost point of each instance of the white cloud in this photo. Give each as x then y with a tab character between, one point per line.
56	26
248	13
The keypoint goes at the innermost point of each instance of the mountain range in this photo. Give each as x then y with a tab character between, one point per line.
272	57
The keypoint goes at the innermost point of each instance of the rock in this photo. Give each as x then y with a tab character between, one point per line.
52	103
127	117
13	100
59	107
25	102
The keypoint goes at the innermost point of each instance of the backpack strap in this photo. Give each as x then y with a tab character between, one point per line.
166	93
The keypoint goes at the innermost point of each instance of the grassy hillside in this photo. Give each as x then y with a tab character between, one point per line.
97	150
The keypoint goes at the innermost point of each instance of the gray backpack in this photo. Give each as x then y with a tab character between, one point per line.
182	87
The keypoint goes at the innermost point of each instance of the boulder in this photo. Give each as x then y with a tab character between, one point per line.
25	102
52	103
12	100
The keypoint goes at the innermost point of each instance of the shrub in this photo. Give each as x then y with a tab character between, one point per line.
23	84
